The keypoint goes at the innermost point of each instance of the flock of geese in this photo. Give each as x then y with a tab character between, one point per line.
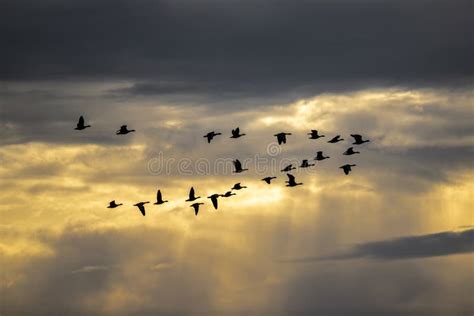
281	139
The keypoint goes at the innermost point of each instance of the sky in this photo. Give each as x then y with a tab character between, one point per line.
394	237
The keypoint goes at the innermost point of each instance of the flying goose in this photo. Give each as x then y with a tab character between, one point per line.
196	207
281	137
237	186
288	168
236	133
210	136
141	207
350	151
214	199
347	168
124	130
336	139
358	139
238	166
80	124
228	194
112	204
319	156
159	199
192	197
268	179
291	181
305	164
314	134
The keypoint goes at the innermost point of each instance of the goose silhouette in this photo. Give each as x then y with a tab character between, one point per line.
228	194
288	168
80	124
305	164
319	156
358	139
268	179
141	207
214	199
237	186
236	133
336	139
238	166
124	130
210	136
192	197
112	204
350	151
159	199
347	168
196	207
281	137
291	181
314	134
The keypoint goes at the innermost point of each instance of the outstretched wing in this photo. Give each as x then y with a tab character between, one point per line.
141	207
238	165
357	137
191	193
196	208
291	178
214	201
158	196
81	121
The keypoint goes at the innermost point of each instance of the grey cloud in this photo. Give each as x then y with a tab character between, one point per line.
411	247
253	48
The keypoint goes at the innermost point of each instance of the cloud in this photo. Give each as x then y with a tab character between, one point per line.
411	247
238	47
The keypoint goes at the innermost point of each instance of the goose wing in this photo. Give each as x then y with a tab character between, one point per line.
191	193
214	201
238	165
291	178
357	137
196	208
141	207
159	198
80	123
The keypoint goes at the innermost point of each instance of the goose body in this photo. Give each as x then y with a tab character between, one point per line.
350	151
236	133
281	137
196	207
347	168
237	186
124	130
291	181
112	204
288	168
210	136
314	134
192	196
320	156
81	125
141	206
214	199
305	164
238	166
268	179
228	194
159	198
358	139
336	139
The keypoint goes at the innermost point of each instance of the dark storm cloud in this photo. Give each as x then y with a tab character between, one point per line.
422	246
246	46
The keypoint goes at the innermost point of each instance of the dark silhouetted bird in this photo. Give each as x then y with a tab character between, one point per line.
237	186
236	133
347	168
268	179
336	139
314	134
281	137
228	194
211	135
319	156
305	164
238	166
288	168
80	124
141	207
291	181
112	204
350	151
214	199
196	207
159	199
192	197
358	139
124	130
